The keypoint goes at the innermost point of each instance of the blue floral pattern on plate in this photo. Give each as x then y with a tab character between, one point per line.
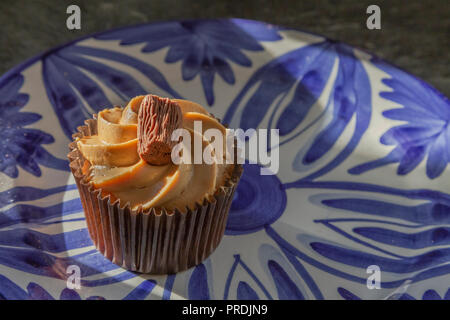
362	180
20	145
426	132
205	47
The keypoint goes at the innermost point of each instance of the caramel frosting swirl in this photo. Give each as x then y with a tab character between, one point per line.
117	169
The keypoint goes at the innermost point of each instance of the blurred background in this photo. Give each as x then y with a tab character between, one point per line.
414	35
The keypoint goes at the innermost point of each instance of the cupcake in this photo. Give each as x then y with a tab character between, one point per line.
150	205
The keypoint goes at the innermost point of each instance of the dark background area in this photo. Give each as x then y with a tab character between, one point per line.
414	35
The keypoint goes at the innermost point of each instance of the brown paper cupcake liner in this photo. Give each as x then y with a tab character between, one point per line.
151	241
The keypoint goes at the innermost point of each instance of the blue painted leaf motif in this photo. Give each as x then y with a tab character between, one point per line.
126	275
34	214
17	194
75	95
272	256
307	68
31	250
347	295
168	286
95	298
351	96
38	262
245	292
429	213
447	295
22	146
11	291
361	259
60	242
427	295
427	132
69	294
431	295
36	292
205	47
286	288
243	289
308	90
305	72
425	264
198	288
431	237
425	214
141	291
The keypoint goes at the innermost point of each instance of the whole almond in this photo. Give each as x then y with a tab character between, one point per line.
157	119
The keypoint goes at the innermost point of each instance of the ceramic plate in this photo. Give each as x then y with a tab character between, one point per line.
362	184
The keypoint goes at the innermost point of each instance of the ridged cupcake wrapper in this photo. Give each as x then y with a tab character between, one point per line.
151	241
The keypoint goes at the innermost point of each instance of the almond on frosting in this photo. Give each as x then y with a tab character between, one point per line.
157	119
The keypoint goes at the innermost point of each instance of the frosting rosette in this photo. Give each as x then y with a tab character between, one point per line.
145	217
118	170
